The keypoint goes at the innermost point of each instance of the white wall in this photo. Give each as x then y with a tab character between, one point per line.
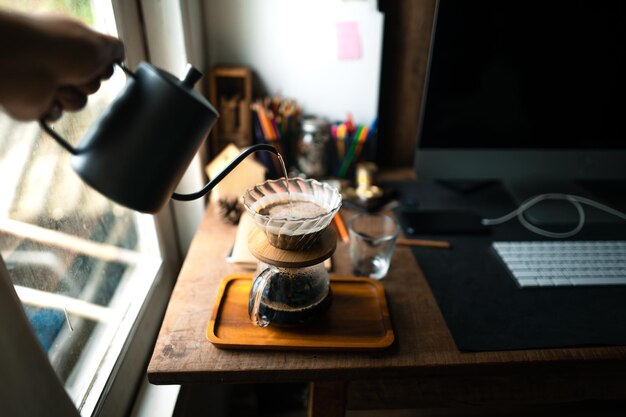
165	39
292	47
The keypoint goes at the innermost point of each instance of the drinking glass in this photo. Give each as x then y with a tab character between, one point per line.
372	241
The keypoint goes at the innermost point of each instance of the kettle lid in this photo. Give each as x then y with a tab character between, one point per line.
184	85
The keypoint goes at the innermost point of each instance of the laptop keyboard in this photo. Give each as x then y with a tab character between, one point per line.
564	263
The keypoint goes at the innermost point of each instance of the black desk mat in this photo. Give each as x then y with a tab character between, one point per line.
484	308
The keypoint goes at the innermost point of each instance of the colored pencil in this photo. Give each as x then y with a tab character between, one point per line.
341	228
265	123
341	145
350	156
362	138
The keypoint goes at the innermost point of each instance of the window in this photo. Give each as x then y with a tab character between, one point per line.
81	265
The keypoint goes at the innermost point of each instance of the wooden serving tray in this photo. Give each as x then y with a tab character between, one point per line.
358	319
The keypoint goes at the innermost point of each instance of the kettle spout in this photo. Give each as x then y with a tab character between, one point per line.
209	186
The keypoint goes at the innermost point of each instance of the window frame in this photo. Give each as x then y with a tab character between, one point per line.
113	392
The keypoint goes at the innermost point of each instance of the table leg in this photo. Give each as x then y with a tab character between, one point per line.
327	399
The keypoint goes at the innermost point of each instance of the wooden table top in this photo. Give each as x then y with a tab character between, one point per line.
423	345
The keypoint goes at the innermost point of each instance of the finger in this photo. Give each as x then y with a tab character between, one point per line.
53	113
111	50
70	98
117	49
108	72
89	88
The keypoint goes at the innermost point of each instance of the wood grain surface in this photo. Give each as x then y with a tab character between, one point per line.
357	320
323	248
424	353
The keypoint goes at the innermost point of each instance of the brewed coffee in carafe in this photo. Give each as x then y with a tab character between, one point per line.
290	296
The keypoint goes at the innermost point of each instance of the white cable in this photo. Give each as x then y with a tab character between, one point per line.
574	199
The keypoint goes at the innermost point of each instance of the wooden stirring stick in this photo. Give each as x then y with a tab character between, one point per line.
423	243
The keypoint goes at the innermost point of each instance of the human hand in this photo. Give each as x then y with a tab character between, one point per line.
52	64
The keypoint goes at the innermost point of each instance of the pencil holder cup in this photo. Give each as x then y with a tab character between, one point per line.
348	152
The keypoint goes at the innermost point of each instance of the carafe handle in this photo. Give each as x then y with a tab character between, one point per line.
256	295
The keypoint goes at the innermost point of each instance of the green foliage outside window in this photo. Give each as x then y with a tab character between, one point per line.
79	9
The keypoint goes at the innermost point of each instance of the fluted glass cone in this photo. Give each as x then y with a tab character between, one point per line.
292	213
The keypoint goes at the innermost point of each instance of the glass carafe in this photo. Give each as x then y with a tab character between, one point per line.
289	296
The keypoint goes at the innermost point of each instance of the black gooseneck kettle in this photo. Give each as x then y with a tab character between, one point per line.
139	148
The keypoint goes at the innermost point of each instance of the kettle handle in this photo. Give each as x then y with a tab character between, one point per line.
60	139
209	186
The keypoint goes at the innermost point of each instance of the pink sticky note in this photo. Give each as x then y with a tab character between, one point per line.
348	40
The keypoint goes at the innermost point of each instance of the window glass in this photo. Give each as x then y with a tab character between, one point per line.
81	264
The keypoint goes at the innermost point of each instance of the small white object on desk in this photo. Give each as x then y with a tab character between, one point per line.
240	253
